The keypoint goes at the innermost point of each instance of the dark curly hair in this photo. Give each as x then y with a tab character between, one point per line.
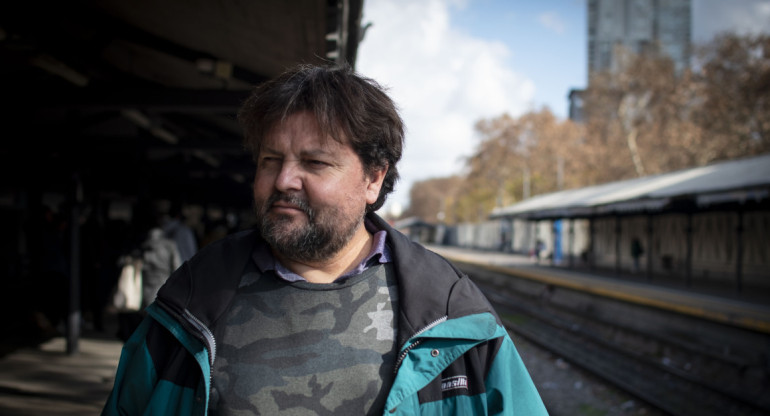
349	108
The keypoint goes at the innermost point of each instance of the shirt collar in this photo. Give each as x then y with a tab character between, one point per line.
379	254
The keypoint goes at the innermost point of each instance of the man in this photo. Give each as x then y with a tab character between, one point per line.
323	308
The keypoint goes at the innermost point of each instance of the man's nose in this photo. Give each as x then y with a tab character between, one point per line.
289	177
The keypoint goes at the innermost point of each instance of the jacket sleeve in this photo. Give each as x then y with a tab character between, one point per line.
135	378
510	390
156	375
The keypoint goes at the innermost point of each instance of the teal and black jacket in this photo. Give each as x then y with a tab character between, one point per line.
455	356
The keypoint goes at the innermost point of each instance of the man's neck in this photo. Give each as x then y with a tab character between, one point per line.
328	270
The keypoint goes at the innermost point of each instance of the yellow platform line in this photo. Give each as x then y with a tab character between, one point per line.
725	311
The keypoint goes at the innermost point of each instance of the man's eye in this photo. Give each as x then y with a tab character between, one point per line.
269	161
317	163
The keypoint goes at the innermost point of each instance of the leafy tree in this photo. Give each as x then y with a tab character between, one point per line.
647	118
516	157
640	118
430	199
735	96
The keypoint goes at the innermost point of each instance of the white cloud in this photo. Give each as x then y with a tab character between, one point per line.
552	22
443	81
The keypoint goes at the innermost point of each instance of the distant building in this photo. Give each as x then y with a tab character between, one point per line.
637	26
576	105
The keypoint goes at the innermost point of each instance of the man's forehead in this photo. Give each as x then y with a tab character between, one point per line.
304	148
302	130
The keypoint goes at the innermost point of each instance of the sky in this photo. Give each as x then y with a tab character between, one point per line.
450	63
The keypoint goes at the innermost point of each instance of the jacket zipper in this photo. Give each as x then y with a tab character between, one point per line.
201	331
210	340
417	342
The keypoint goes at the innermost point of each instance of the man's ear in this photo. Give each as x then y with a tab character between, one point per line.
374	184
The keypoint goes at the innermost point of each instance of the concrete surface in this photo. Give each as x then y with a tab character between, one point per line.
46	380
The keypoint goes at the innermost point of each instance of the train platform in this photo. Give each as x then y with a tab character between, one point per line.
44	379
749	310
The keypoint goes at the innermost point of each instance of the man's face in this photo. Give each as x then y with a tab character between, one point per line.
310	192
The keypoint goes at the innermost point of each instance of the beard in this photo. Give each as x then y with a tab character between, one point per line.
325	232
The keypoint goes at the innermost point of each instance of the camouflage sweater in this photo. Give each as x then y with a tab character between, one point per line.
454	356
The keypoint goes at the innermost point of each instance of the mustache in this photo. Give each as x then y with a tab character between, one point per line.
292	199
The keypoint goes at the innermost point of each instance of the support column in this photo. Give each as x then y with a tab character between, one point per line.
739	253
554	242
591	245
617	245
648	249
688	259
571	243
73	315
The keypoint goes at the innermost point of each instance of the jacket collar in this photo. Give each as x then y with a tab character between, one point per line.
430	287
206	284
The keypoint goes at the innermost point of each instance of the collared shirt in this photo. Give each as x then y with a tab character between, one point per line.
380	253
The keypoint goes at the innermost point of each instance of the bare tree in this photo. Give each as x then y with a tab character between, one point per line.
735	96
516	157
644	111
430	199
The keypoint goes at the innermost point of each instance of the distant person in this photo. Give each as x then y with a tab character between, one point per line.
157	257
160	258
322	308
176	229
636	253
127	296
538	250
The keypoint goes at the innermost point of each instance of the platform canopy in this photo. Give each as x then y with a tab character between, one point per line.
138	97
731	183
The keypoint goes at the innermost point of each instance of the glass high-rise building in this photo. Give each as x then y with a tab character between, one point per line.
637	26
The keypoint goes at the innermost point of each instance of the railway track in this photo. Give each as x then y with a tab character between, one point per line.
676	378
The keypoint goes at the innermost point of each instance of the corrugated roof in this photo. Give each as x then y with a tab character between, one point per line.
732	181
